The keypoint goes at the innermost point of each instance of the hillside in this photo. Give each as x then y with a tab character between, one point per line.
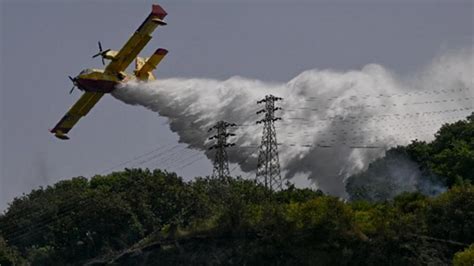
143	217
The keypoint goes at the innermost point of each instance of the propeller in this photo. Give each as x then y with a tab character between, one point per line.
73	82
101	53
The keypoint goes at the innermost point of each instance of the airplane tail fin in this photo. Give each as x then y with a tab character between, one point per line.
143	68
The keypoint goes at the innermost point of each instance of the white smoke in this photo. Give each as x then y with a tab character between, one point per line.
387	177
334	123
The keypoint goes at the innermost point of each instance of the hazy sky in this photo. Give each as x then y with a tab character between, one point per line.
42	42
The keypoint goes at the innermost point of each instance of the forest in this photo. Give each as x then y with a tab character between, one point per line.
150	217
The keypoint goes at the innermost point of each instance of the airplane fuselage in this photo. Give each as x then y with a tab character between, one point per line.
95	80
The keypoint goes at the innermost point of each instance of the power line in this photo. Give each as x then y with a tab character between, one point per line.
379	117
352	119
237	164
134	159
190	163
393	95
365	105
170	152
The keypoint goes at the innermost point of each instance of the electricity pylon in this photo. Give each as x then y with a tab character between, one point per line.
221	162
268	165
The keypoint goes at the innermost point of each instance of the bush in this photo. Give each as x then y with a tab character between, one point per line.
465	257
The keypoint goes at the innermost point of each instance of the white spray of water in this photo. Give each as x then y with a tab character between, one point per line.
332	121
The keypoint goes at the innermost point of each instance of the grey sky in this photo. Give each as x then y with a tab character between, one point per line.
42	42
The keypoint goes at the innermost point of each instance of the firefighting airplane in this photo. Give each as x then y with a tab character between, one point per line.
96	82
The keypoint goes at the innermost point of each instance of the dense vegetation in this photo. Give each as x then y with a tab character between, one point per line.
142	217
451	155
426	167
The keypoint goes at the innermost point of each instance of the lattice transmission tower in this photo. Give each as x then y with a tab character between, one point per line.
221	162
268	164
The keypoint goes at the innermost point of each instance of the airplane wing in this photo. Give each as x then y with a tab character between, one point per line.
138	40
78	110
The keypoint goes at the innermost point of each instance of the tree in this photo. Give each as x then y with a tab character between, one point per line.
420	166
465	257
9	255
451	154
450	216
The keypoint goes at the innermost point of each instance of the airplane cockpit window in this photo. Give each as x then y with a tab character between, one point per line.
86	71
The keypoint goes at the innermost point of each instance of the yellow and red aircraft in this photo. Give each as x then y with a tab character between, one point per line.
96	82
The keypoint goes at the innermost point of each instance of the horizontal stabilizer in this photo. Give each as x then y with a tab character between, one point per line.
143	71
